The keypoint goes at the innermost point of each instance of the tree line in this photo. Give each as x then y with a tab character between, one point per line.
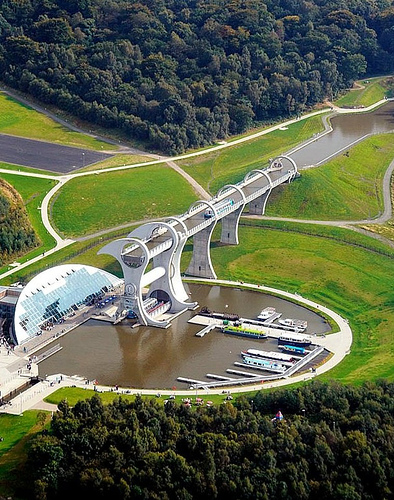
182	74
16	233
335	442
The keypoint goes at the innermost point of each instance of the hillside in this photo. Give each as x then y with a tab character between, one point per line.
16	234
334	443
179	75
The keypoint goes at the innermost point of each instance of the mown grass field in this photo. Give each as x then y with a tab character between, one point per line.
22	120
87	204
345	188
75	394
228	166
345	271
117	160
16	431
365	93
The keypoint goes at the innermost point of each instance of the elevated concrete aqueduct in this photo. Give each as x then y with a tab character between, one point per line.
150	255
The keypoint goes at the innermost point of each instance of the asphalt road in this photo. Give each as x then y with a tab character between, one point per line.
46	155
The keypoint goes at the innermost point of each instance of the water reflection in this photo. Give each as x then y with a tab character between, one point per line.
347	129
153	358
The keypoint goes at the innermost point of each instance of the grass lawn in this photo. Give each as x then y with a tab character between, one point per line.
16	430
87	204
229	165
347	277
345	188
117	160
22	120
75	394
365	93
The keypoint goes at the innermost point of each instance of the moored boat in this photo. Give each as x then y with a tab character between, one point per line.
278	356
267	313
293	348
298	324
264	364
244	332
295	339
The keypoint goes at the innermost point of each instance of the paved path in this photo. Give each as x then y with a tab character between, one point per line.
338	343
61	243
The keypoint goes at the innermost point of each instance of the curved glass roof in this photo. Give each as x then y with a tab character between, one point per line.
56	292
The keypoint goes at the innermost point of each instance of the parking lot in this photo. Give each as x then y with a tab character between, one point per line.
46	155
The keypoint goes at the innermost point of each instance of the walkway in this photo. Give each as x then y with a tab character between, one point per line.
61	243
337	343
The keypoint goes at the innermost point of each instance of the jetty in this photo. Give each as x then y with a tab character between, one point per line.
205	330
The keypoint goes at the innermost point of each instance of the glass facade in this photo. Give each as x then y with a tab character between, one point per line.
56	293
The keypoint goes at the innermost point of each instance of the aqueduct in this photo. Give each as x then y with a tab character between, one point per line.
150	255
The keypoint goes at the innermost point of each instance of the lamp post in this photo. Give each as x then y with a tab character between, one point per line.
83	160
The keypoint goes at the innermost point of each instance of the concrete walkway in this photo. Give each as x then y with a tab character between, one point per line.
337	343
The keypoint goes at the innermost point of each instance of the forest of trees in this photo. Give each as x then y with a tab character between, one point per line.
16	233
177	74
335	443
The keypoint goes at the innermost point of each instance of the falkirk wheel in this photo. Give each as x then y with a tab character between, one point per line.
150	255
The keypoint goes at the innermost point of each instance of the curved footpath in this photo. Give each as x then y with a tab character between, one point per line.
338	343
61	243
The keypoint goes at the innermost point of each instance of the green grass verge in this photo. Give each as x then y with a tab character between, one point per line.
13	428
22	120
367	92
117	160
88	204
16	431
74	394
346	188
347	276
229	165
33	191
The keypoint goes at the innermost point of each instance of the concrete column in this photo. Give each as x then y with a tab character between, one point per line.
257	206
230	227
200	264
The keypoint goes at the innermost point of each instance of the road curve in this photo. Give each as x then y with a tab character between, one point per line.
60	243
338	343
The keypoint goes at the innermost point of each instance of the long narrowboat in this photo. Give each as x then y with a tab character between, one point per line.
264	364
244	332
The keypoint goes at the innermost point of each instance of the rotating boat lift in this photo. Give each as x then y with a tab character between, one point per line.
150	255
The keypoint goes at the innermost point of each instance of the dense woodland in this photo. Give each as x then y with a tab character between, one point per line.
335	443
16	233
177	74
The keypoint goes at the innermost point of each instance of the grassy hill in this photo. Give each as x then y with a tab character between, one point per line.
17	235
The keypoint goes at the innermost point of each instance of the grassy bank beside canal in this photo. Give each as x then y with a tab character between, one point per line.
364	93
349	187
88	204
227	166
353	277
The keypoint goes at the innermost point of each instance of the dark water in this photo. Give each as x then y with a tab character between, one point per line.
153	358
347	129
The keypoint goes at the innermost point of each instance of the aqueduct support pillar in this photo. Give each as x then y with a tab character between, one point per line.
201	264
230	227
257	206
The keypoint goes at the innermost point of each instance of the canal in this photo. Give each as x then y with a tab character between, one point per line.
347	129
149	358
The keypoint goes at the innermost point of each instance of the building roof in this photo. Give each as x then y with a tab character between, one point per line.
55	293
